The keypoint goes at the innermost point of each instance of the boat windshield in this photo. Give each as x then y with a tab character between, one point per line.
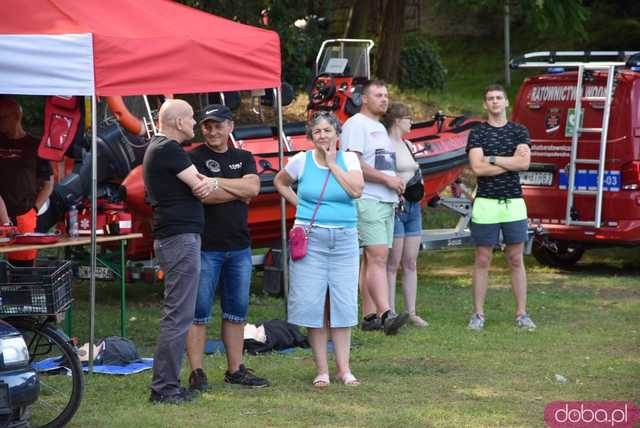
345	59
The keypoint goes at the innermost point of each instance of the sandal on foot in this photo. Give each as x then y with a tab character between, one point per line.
321	381
348	379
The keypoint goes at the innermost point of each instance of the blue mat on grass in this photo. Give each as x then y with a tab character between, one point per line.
213	346
53	363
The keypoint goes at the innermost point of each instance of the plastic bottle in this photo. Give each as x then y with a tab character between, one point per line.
73	221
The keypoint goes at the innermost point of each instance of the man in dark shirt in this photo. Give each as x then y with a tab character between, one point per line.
498	149
226	248
175	188
26	181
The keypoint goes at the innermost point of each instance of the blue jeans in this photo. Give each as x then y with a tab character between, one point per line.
232	271
408	220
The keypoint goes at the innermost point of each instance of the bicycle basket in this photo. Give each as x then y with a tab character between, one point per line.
44	288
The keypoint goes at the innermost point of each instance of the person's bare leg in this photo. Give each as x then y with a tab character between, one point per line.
196	339
368	307
395	256
341	350
481	277
233	338
515	259
318	338
411	248
376	276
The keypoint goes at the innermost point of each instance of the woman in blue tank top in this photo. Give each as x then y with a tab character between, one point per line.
323	286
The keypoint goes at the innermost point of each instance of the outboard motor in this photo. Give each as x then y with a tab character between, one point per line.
119	152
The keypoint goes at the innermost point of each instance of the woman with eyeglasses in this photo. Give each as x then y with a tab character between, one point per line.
407	234
323	285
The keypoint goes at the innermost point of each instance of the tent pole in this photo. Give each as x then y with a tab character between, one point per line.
283	203
94	212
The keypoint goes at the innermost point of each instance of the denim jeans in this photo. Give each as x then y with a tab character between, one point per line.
330	266
231	272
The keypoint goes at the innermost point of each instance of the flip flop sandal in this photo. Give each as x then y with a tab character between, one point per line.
348	379
322	380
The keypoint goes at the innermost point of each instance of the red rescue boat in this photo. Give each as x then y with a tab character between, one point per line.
439	147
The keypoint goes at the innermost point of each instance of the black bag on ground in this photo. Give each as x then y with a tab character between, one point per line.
118	351
280	335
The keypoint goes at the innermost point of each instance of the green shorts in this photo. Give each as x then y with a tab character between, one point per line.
490	211
375	222
494	217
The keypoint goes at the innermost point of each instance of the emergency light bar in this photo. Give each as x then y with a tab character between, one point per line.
588	59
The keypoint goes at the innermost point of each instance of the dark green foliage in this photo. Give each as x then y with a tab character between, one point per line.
614	25
420	64
616	34
564	18
32	113
298	45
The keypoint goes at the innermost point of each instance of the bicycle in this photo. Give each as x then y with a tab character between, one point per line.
31	299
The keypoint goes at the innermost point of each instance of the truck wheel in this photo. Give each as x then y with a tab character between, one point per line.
565	256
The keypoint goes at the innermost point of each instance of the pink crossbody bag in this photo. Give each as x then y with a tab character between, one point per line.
299	235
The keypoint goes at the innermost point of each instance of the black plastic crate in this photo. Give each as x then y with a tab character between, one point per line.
42	289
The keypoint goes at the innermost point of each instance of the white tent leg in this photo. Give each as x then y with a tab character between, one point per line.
94	211
283	203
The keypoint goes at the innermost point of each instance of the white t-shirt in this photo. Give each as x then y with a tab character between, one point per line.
370	138
295	165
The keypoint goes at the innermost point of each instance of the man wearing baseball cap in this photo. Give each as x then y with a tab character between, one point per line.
226	253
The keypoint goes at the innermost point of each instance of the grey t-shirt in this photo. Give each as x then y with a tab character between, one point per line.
370	138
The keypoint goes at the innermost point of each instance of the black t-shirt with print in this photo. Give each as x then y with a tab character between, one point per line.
501	141
175	209
226	224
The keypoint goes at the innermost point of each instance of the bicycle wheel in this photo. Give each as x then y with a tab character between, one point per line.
59	370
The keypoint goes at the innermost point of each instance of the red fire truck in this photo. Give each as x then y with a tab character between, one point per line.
583	186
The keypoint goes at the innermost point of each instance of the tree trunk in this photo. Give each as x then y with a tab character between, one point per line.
388	57
357	20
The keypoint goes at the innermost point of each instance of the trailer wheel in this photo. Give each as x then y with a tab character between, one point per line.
565	256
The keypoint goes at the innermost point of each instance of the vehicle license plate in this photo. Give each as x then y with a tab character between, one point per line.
84	272
536	178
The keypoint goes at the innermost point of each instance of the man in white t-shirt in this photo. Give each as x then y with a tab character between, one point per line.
365	135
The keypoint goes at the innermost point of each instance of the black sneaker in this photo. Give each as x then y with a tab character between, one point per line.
184	396
245	377
393	322
198	381
372	324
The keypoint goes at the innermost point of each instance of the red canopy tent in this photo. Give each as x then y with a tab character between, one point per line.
130	47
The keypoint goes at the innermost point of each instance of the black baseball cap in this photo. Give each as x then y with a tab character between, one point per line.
217	112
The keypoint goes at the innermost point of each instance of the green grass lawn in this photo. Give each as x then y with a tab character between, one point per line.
443	375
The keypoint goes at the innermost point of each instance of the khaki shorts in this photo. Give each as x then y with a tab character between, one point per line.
375	222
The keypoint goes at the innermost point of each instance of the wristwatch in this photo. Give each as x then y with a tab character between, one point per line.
492	160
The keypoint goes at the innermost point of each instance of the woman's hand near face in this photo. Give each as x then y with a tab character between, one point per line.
330	154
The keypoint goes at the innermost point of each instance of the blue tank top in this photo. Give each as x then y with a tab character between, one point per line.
337	208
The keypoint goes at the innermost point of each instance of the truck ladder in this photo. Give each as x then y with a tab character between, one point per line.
586	61
575	140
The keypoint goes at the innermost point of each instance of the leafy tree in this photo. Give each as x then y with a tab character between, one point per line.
566	17
299	44
388	56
